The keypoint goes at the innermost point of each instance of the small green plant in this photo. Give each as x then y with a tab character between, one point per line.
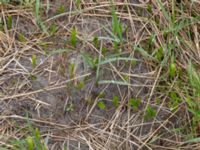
4	2
81	85
193	103
173	15
116	47
61	9
101	105
14	82
52	30
104	50
116	26
149	8
37	140
65	148
172	68
21	37
70	107
9	22
33	77
1	25
96	42
150	113
115	101
34	60
158	101
62	70
174	100
73	39
23	144
89	101
150	43
38	19
37	9
159	54
89	60
71	70
194	79
126	78
101	95
133	63
26	2
31	142
78	3
134	103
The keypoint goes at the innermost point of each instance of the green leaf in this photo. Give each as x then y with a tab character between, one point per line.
104	50
117	27
73	37
149	8
194	140
70	107
101	95
96	42
89	60
48	7
37	9
34	61
30	143
190	102
59	51
52	30
109	60
143	52
1	26
38	142
194	79
172	70
71	70
33	77
4	2
9	22
159	54
21	38
150	113
78	3
134	103
164	11
101	105
81	85
61	9
42	26
115	101
172	67
65	148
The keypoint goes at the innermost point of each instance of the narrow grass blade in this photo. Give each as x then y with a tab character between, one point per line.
116	59
113	82
59	51
37	8
166	15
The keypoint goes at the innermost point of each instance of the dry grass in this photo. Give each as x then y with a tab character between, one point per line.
57	84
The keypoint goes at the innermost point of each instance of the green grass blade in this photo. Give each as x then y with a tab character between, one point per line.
37	8
59	51
117	59
166	15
